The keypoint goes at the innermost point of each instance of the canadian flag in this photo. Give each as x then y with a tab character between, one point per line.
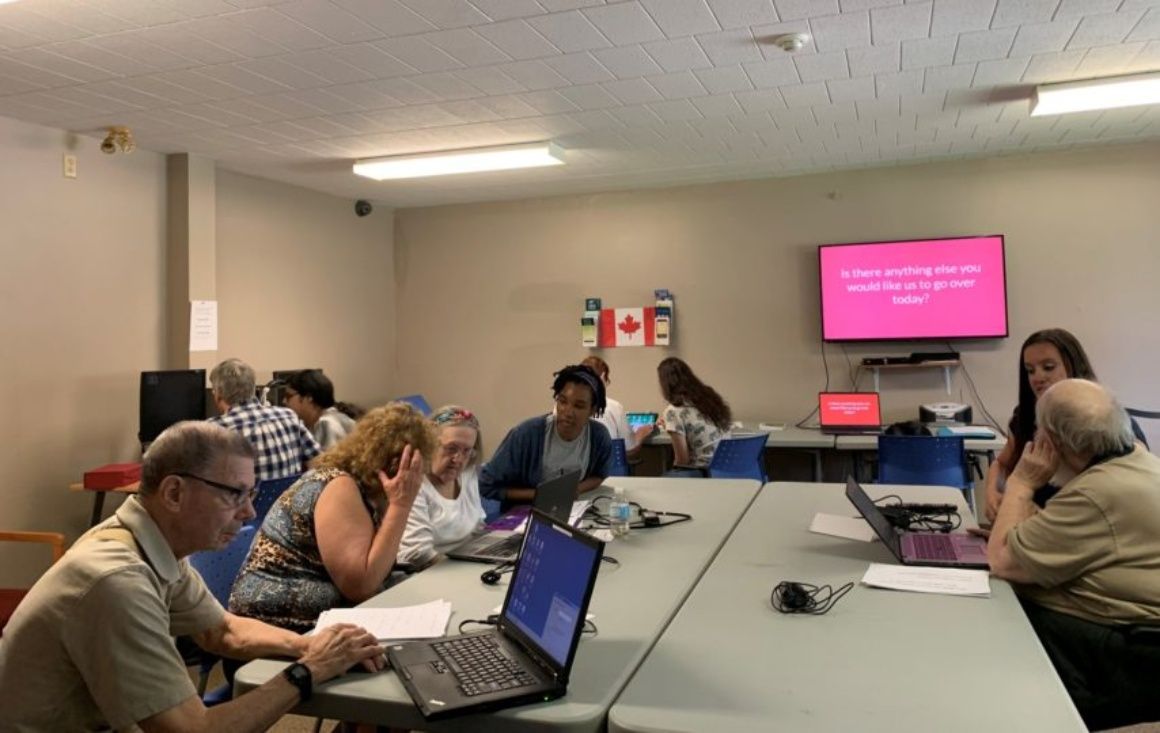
627	327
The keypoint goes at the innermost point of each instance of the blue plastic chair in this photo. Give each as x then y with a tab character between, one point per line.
740	457
924	460
619	459
417	401
268	493
219	570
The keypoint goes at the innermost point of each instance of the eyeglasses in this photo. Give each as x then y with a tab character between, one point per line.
238	497
451	450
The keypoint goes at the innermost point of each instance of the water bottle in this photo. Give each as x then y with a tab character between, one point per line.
619	513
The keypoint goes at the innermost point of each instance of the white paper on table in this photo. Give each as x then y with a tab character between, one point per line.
424	621
850	528
948	581
203	325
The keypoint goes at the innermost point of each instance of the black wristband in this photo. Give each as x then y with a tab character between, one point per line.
298	674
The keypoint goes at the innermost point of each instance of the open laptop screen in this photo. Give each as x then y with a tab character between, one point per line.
547	597
849	410
640	419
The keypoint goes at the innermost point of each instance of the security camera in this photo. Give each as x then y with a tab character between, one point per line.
108	147
362	207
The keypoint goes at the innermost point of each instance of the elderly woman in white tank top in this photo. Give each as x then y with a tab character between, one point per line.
448	507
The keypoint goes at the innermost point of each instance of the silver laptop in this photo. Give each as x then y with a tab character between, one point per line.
528	656
945	549
554	497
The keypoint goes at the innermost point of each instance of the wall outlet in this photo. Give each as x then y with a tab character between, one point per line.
70	165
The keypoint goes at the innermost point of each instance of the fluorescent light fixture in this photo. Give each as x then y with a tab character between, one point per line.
1092	94
472	160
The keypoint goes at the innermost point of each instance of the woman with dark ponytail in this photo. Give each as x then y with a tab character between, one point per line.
696	418
310	394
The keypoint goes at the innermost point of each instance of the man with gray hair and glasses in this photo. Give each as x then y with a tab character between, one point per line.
1087	566
91	646
283	444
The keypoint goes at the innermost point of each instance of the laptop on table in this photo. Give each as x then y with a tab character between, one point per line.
554	497
640	419
943	549
849	413
528	656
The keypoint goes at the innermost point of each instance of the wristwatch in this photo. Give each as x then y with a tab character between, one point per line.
298	674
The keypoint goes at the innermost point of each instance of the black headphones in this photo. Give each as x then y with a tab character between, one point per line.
491	576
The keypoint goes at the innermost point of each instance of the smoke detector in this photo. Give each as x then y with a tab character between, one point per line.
791	42
119	139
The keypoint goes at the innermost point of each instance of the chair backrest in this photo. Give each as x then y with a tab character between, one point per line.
739	457
268	493
619	459
417	401
1143	414
219	568
10	597
915	459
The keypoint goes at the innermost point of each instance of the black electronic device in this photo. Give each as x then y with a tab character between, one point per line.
168	397
921	357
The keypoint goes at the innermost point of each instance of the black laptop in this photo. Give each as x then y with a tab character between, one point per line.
944	549
554	497
528	656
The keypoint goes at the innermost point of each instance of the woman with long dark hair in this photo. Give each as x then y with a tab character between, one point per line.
1046	357
696	418
310	394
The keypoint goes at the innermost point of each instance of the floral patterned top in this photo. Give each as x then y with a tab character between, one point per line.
701	435
283	581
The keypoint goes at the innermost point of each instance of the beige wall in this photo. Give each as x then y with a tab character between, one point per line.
300	279
491	294
81	314
303	282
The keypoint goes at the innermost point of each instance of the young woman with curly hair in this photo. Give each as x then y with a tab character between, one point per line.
332	538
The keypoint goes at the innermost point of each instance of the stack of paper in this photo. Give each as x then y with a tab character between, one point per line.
851	528
949	581
425	621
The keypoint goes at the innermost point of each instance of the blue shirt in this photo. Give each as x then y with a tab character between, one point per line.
518	462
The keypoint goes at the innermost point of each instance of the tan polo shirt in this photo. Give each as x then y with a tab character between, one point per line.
91	646
1094	550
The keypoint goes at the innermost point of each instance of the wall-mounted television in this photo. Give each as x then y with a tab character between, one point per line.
920	289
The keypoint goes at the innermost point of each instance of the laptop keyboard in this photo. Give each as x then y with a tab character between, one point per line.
509	545
480	667
933	547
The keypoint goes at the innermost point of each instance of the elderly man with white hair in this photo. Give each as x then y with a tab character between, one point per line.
1087	566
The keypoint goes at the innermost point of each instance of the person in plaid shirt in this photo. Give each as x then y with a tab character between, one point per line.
282	443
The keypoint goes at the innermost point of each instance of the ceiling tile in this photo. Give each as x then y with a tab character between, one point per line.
852	90
518	39
534	75
729	47
732	14
951	17
180	39
723	79
570	32
721	105
839	32
632	91
490	81
508	9
417	53
926	52
675	110
624	24
899	84
1070	8
679	18
774	73
1043	37
579	68
1010	13
390	17
874	59
806	95
628	62
590	96
678	85
1001	72
342	61
902	23
798	9
58	64
984	45
447	13
280	29
233	37
1148	29
678	54
942	78
1104	29
467	47
1046	68
822	66
547	102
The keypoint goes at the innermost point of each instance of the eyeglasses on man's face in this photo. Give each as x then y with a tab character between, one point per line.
237	497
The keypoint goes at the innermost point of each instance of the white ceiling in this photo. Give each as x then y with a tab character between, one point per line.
640	92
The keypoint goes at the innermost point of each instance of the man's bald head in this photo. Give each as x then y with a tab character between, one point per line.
1085	420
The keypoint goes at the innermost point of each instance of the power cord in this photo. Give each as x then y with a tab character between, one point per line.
649	518
804	598
920	517
493	620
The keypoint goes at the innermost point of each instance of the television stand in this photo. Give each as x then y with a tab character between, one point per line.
944	364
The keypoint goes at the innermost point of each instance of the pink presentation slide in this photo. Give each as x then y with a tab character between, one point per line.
940	288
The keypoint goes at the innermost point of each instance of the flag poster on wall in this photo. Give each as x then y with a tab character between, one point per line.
627	327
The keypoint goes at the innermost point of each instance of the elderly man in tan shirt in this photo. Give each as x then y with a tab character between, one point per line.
91	647
1087	565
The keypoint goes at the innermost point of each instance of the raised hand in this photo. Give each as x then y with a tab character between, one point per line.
403	487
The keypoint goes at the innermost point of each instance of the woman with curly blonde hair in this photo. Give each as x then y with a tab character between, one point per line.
332	538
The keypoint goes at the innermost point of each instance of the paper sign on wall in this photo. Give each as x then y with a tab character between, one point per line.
203	325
